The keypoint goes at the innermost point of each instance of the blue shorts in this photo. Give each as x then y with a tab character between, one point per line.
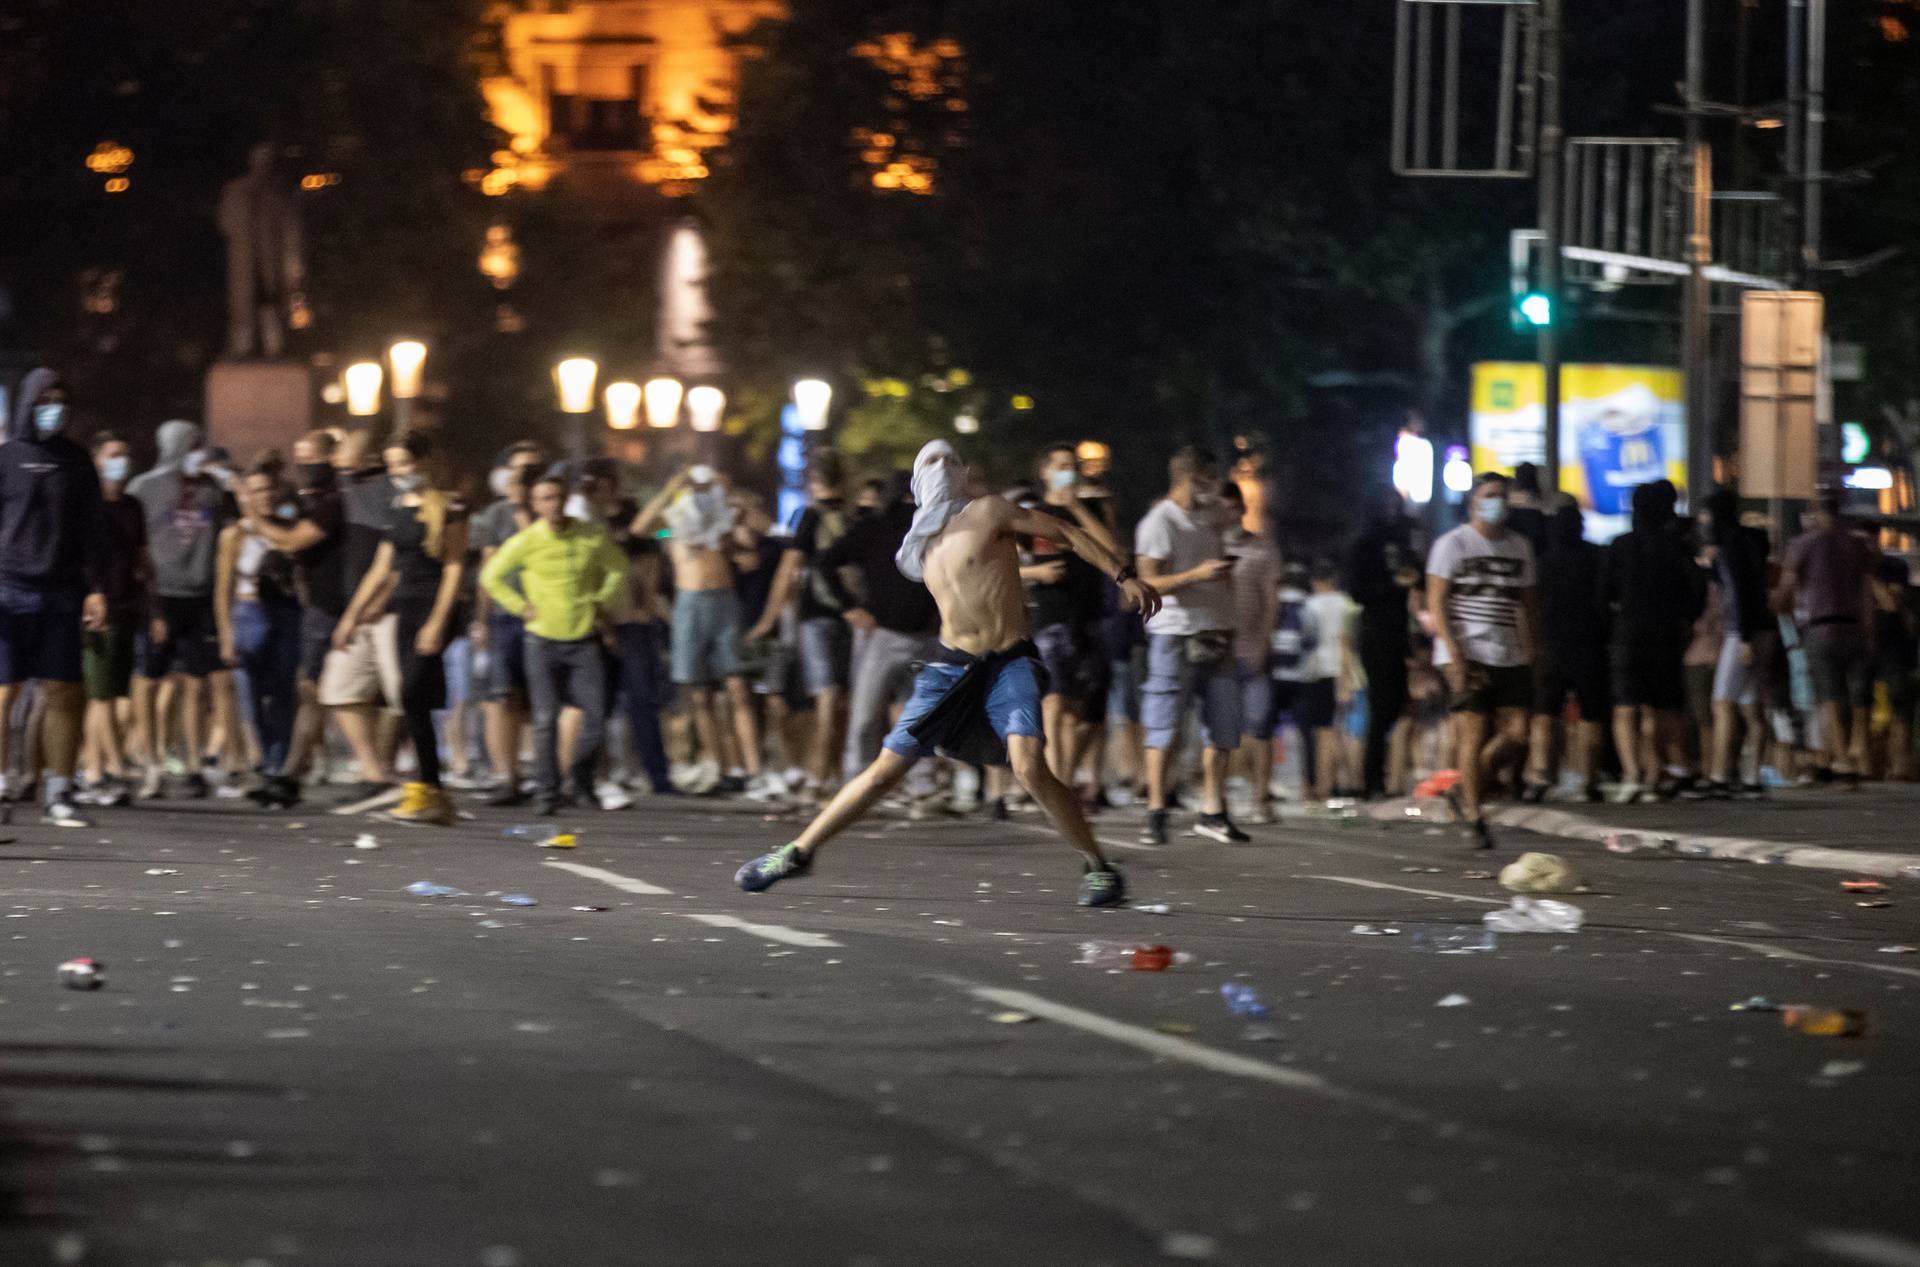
39	635
1173	681
506	656
1013	703
705	638
826	653
1256	699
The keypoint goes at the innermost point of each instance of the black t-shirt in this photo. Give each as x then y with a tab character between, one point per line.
417	571
754	585
819	526
1079	597
126	524
318	567
364	501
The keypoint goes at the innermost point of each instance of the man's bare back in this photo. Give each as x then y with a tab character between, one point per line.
973	569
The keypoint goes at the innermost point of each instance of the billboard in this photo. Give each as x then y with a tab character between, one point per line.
1621	425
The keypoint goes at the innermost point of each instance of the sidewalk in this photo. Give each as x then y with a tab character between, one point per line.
1872	832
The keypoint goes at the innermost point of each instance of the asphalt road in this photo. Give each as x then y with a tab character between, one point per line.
294	1061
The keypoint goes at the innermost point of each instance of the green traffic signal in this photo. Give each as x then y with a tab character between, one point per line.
1537	309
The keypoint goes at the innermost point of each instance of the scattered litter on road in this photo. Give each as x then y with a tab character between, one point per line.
1242	1001
1842	1068
1368	930
1125	954
1899	950
1627	842
1152	958
1154	908
1476	875
517	899
427	888
1178	1029
1824	1022
1012	1018
1420	870
563	840
1260	1034
1192	1246
1454	1000
1540	873
163	871
1535	915
82	974
589	908
1758	1003
1864	886
366	840
1874	903
1467	941
522	831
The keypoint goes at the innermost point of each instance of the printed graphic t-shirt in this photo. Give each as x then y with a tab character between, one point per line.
1489	579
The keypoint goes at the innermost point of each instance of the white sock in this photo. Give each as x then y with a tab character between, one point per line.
57	788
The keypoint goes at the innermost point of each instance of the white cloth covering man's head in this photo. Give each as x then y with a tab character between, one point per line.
702	517
939	493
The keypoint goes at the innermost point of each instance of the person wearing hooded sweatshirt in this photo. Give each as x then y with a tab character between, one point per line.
53	555
183	509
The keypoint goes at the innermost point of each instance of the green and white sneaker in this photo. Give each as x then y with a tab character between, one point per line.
1102	887
763	872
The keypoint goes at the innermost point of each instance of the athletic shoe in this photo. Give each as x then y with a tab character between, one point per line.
1749	792
546	806
422	804
1535	791
1219	827
461	782
612	796
368	797
277	792
229	791
1102	887
153	784
503	796
1626	793
730	785
769	868
1262	815
112	792
997	809
921	809
197	787
62	813
1154	832
766	788
1480	833
1709	791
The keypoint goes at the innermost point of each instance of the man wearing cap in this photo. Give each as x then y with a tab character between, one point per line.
980	699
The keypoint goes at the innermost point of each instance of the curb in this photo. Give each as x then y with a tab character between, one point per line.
1561	823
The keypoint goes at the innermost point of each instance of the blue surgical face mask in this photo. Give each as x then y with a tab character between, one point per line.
115	470
49	418
1493	510
406	483
1059	481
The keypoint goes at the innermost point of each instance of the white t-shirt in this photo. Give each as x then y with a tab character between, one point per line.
1485	602
1181	542
1329	613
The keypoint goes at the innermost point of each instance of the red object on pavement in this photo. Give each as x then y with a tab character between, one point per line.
1152	958
1863	886
1437	784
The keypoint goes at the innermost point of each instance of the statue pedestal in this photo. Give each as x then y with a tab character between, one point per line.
253	406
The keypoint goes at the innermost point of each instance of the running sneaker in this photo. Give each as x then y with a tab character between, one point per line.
1712	790
766	788
612	796
504	795
769	868
1219	827
62	813
1261	814
422	804
1154	831
153	783
1102	886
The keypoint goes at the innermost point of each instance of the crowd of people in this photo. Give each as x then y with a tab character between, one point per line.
347	616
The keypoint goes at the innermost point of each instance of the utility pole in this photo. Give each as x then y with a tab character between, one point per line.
1552	141
1793	248
1696	348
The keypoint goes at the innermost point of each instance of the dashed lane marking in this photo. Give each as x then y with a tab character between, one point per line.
1875	1249
771	932
625	883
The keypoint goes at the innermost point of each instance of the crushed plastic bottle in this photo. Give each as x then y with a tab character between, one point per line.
427	888
82	974
523	831
1242	1001
516	899
366	840
1444	941
1153	908
1536	915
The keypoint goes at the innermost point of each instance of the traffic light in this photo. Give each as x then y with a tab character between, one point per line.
1536	309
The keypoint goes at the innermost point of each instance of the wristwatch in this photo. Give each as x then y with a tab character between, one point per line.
1125	574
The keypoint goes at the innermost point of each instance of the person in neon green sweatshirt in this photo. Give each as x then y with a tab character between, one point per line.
569	574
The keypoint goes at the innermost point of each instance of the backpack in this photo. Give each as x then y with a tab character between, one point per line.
1295	635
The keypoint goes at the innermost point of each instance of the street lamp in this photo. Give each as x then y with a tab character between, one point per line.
623	405
663	396
573	379
811	398
966	423
362	380
706	405
407	357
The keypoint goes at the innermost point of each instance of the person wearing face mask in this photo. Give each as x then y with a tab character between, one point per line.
1068	596
53	549
184	513
497	631
416	572
1480	589
106	658
1181	548
312	537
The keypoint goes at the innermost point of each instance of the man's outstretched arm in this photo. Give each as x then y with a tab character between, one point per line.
1138	595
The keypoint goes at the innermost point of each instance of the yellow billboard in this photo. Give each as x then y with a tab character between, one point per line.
1620	425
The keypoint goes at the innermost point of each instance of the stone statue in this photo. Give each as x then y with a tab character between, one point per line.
266	268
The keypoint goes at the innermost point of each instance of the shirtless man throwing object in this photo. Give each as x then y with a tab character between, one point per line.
985	690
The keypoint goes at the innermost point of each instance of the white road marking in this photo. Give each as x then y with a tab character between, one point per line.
625	883
1757	947
1876	1249
1181	1049
1404	888
772	932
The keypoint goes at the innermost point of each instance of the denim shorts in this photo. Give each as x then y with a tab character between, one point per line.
1256	699
1173	682
705	647
506	656
1013	703
826	653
